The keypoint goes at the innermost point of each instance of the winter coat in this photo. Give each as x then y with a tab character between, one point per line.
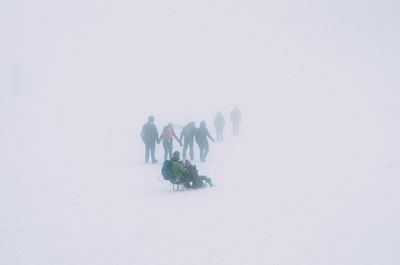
149	133
236	116
202	134
219	121
168	134
188	133
178	171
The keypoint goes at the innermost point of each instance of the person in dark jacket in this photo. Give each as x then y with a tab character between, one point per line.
236	119
167	137
219	124
187	134
202	136
150	138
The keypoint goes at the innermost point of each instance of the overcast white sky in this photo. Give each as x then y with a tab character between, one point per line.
334	63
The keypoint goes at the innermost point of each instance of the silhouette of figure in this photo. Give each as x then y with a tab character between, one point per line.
219	124
236	119
202	136
187	134
150	138
167	136
183	172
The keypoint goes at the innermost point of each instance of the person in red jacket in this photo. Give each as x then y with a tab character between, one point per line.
167	137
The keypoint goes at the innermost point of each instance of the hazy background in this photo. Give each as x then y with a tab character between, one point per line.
317	83
308	74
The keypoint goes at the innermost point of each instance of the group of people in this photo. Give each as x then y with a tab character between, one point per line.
182	172
189	135
219	123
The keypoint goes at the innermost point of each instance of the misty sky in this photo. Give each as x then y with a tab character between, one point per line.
334	63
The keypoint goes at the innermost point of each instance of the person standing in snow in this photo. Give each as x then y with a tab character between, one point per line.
236	119
219	124
167	137
202	136
150	138
187	134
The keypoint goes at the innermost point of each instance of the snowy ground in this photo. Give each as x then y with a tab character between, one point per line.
78	202
313	178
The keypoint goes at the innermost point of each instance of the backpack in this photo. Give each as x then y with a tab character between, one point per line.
166	170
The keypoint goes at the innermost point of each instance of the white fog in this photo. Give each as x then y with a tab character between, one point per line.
312	177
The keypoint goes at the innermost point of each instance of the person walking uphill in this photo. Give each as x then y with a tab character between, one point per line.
167	136
150	138
219	124
187	134
202	136
236	119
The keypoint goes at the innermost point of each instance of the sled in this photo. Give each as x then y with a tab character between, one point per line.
189	185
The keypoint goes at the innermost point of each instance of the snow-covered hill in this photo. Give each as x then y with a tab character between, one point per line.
312	179
66	200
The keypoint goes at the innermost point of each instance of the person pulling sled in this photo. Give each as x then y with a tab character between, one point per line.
183	173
